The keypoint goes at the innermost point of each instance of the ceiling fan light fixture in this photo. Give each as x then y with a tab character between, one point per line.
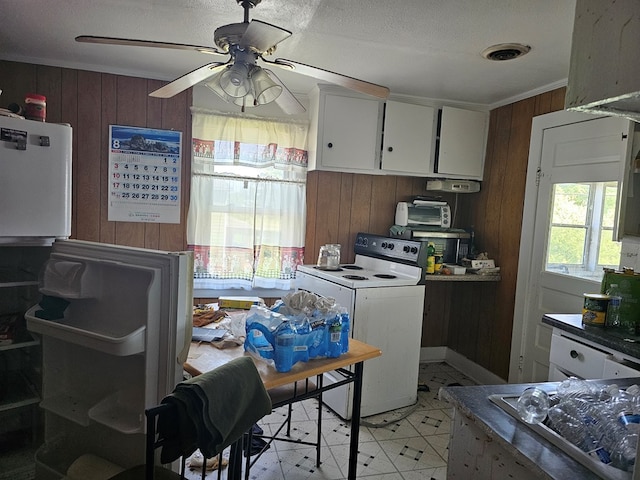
265	90
214	85
235	80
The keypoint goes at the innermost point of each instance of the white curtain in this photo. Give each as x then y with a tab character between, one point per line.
246	219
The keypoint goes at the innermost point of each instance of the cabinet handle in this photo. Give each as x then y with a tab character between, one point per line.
390	149
330	145
574	354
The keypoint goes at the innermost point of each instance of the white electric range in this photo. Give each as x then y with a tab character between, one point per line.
383	292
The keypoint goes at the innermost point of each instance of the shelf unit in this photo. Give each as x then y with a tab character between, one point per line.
21	426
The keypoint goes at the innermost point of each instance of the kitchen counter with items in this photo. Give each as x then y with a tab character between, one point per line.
612	338
487	442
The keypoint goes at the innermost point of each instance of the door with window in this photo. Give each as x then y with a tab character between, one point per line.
575	164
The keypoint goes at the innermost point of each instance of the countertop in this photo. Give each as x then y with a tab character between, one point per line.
608	337
466	277
517	438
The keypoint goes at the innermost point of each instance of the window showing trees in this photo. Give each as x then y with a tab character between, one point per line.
581	232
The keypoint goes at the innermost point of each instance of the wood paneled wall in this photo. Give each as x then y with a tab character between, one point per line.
474	319
90	102
339	205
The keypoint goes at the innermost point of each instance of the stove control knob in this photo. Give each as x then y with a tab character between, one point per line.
384	245
406	249
391	246
414	249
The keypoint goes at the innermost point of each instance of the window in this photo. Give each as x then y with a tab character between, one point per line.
246	219
581	232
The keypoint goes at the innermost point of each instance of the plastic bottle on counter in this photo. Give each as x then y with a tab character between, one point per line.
533	405
431	259
574	386
572	428
612	318
623	455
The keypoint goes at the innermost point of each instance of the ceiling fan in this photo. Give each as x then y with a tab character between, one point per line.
240	80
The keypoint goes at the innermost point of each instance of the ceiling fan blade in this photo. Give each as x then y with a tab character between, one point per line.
146	43
263	36
337	78
188	80
286	101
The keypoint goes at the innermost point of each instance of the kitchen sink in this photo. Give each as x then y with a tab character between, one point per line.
508	404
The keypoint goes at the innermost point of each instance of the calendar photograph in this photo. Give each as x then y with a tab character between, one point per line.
144	174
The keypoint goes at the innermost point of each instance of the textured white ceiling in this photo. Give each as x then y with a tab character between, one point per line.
423	48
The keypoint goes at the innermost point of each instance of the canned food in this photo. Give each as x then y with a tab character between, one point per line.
594	311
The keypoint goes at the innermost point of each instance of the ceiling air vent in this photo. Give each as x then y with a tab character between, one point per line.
505	51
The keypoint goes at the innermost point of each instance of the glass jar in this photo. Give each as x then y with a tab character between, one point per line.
35	107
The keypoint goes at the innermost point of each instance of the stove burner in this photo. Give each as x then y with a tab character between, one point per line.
338	269
385	276
351	267
355	277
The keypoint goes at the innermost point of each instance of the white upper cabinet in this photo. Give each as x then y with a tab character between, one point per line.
407	138
461	144
345	131
347	135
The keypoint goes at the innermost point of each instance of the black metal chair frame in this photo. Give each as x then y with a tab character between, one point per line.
153	443
308	391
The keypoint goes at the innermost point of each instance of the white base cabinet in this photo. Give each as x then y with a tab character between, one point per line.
571	355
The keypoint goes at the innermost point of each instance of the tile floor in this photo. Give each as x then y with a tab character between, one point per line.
404	444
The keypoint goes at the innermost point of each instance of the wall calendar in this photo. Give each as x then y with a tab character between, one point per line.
144	174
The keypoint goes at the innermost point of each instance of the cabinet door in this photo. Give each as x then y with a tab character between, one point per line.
408	138
349	134
462	143
629	210
620	369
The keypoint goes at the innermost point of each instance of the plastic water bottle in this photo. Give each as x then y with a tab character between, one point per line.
533	405
283	354
334	331
344	339
613	309
573	386
623	454
571	427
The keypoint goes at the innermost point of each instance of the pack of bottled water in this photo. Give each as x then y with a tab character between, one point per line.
296	330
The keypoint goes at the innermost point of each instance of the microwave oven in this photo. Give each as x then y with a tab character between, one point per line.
427	214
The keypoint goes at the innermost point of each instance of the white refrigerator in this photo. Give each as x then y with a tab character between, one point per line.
115	324
35	181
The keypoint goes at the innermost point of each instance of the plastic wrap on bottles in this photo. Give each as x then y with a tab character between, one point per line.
301	327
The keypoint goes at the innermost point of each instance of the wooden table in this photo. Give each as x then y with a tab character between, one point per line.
204	357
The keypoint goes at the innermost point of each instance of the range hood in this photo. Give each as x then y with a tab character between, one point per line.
604	72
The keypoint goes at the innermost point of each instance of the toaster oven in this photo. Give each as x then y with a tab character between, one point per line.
423	213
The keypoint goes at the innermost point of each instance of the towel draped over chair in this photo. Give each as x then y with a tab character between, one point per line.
213	410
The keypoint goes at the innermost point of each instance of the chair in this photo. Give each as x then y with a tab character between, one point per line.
149	470
288	395
209	412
